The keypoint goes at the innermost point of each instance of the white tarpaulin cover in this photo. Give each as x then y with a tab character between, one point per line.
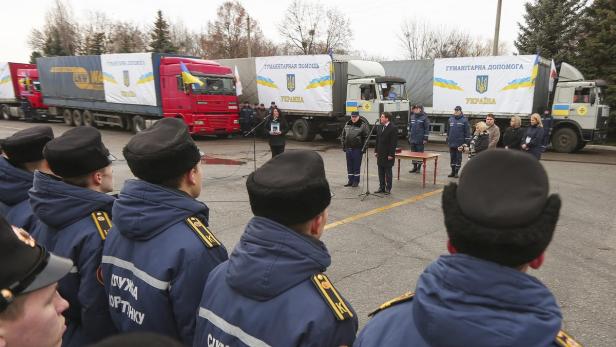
485	84
6	84
129	78
302	83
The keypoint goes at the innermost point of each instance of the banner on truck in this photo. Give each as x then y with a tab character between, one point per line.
485	84
6	84
129	78
296	82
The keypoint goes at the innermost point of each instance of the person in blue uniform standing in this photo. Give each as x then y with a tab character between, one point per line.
72	209
533	140
481	294
23	155
458	135
418	129
161	249
354	136
272	291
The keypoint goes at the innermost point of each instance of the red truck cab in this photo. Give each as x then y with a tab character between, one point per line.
208	109
30	88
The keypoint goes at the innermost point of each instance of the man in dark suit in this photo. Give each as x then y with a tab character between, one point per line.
385	152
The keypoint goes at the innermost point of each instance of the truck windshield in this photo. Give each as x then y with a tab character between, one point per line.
392	91
214	85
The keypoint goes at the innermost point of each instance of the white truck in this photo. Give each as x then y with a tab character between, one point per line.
506	86
317	93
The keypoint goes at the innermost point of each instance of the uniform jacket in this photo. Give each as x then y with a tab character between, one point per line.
65	227
265	289
547	121
513	138
479	143
494	132
154	263
354	135
14	201
534	140
458	131
386	143
464	301
277	140
418	128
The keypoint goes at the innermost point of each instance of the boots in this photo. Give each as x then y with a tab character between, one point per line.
418	168
453	172
456	173
414	169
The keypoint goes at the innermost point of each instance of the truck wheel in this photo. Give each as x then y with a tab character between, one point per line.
68	117
77	118
88	119
5	112
138	124
302	130
565	140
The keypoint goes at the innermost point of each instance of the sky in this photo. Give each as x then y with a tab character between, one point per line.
375	24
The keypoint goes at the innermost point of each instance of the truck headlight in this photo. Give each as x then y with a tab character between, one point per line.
199	122
236	121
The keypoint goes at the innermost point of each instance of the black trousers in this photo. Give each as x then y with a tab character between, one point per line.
385	177
278	149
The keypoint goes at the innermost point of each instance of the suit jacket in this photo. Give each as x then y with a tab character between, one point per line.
386	142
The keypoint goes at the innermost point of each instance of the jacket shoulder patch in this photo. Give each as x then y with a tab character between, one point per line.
203	233
565	340
103	223
397	300
332	298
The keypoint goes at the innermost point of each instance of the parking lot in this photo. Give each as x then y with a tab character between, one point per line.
380	245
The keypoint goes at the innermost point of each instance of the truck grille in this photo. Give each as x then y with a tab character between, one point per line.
218	121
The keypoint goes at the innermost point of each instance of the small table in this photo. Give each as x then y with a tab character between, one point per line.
424	157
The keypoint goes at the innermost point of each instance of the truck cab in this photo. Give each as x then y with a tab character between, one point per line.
207	109
579	112
371	93
31	97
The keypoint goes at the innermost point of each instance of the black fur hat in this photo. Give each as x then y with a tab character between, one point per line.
501	211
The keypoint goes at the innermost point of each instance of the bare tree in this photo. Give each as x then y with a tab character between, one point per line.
421	40
95	34
60	33
310	28
187	42
126	37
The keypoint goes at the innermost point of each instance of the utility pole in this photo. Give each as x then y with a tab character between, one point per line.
497	28
248	28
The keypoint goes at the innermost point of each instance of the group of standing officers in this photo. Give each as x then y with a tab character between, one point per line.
147	259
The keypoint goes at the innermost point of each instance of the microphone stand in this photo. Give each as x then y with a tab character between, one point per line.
365	150
253	131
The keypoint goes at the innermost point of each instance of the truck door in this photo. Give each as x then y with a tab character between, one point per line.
582	110
362	98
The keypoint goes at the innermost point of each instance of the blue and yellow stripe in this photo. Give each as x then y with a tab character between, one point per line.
107	77
322	81
526	82
560	110
267	82
145	78
447	84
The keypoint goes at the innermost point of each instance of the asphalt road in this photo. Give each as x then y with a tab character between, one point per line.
380	246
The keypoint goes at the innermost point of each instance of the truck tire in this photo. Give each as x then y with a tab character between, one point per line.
565	140
138	124
67	115
302	130
88	119
6	115
77	118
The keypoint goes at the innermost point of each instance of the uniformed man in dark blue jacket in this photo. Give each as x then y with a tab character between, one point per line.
458	134
418	130
481	295
272	291
73	212
160	249
23	154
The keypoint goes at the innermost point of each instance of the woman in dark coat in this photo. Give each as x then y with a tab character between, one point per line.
480	140
512	139
277	128
533	141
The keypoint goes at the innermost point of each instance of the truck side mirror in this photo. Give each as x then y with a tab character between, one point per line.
593	98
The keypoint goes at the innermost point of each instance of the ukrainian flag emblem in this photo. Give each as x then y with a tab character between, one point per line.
481	85
266	82
291	82
352	106
447	84
560	110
